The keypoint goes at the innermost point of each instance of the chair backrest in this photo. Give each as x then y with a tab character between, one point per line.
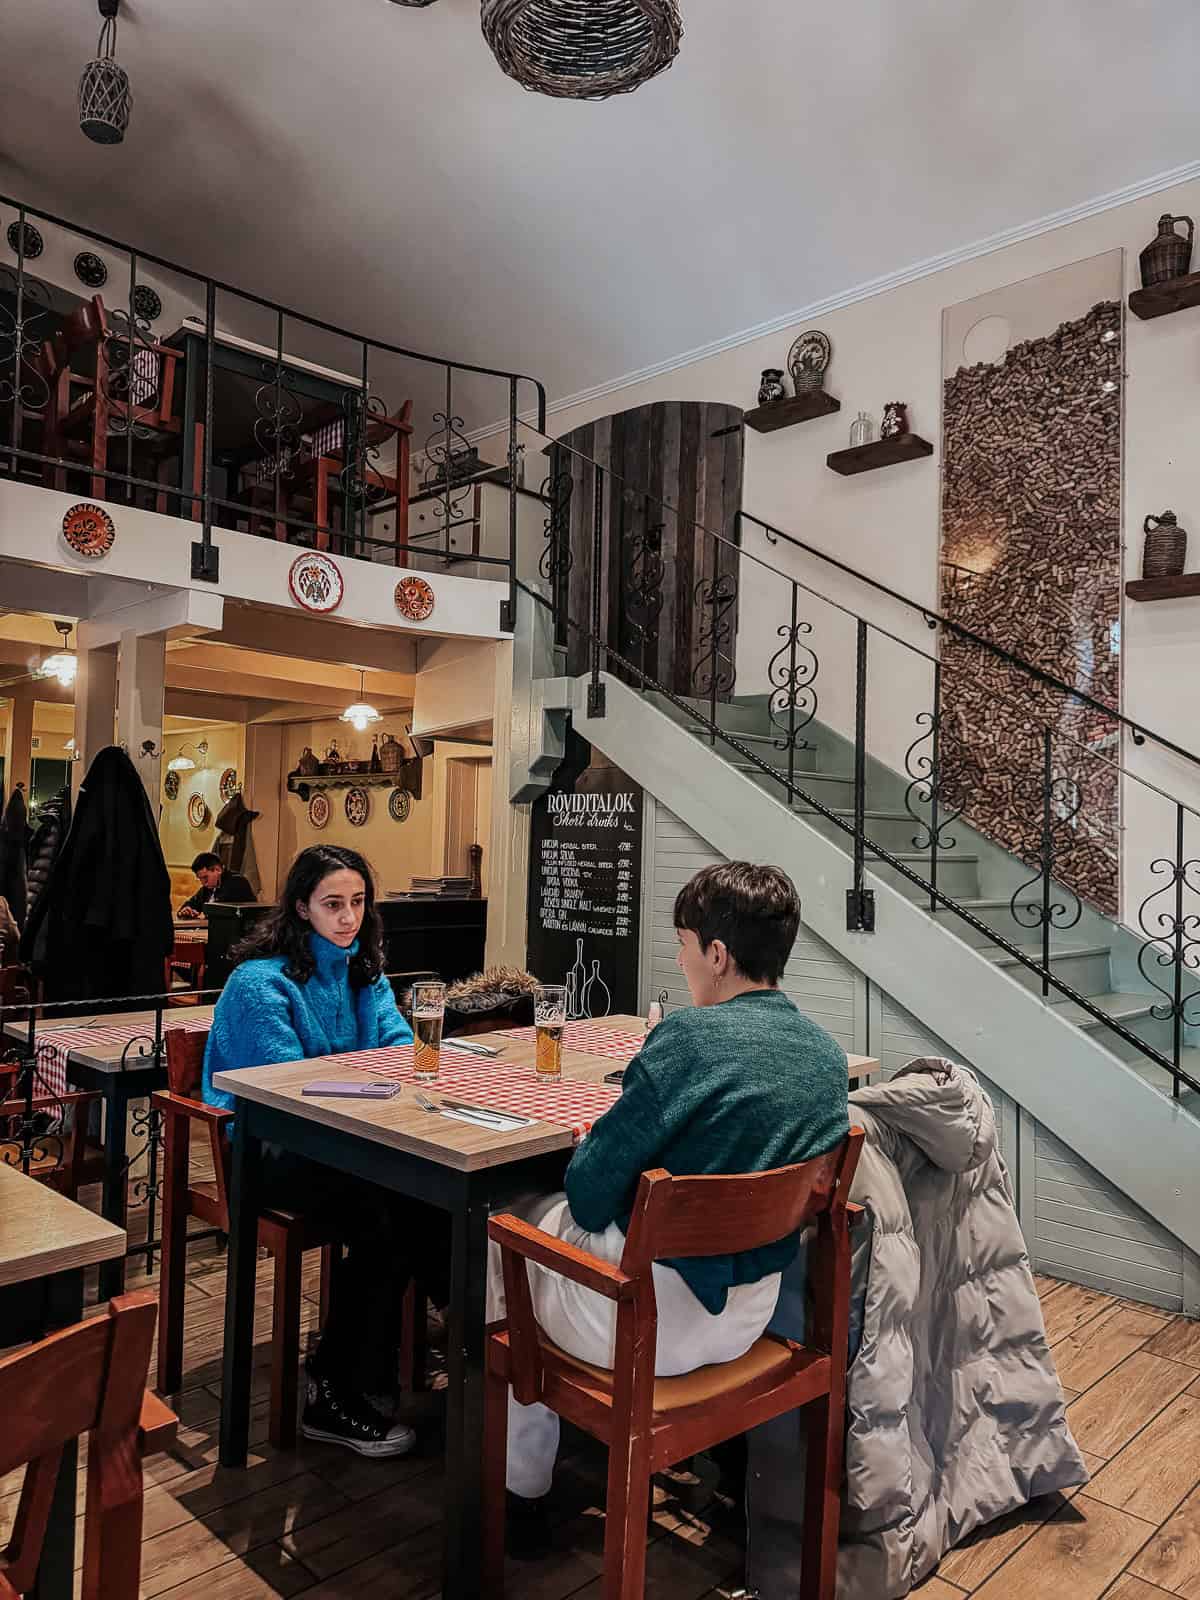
16	989
717	1216
185	1061
87	324
88	1379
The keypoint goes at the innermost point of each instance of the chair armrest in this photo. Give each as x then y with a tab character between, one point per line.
856	1215
157	1426
51	1102
178	1105
523	1239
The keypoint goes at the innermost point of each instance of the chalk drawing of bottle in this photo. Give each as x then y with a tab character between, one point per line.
597	1002
575	985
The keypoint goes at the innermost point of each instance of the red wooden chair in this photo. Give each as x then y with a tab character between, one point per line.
650	1424
284	1234
87	1379
185	966
62	1156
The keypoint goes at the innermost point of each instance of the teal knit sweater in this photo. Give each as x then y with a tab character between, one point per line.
263	1016
743	1086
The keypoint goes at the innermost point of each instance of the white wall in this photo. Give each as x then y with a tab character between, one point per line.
887	523
226	748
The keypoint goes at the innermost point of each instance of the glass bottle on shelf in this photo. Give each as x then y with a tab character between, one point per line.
862	430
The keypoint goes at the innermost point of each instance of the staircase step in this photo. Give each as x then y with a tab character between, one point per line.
1084	967
958	875
996	914
1132	1011
766	743
1160	1078
830	788
891	830
746	718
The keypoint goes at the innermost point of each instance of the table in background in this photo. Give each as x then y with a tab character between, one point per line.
464	1169
46	1242
100	1067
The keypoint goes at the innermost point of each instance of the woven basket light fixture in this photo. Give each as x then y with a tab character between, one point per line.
582	49
105	98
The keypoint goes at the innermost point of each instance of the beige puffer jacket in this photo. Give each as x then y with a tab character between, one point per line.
955	1412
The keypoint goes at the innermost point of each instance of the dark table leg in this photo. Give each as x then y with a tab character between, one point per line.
56	1572
461	1557
116	1177
245	1185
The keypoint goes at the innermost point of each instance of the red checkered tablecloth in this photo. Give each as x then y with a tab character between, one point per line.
488	1083
54	1046
592	1039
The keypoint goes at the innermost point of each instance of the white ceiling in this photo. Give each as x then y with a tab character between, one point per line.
370	164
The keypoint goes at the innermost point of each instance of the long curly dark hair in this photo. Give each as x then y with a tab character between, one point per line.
284	932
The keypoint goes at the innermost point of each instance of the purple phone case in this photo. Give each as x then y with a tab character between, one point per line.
343	1089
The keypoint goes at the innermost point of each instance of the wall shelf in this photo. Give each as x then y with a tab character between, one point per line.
1177	294
302	784
787	413
1180	588
882	453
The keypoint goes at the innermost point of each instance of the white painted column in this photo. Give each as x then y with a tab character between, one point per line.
18	743
141	669
95	706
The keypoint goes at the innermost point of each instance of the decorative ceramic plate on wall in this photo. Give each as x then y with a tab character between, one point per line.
90	269
34	243
318	809
229	784
316	582
89	530
414	599
171	786
147	302
399	805
197	811
358	807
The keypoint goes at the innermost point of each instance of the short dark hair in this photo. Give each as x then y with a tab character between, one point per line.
205	859
754	911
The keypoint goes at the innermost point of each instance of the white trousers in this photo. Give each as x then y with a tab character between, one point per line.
584	1324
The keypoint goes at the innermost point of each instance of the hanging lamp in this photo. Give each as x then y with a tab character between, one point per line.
182	763
105	98
582	49
62	664
360	715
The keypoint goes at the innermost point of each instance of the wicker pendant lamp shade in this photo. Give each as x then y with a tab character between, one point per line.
582	49
105	98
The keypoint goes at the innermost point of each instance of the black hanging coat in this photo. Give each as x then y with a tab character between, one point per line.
14	845
103	928
233	824
53	821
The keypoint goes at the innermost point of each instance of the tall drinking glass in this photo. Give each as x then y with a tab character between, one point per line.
550	1018
428	1013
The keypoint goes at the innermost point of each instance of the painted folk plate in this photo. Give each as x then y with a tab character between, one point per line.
316	582
318	809
171	786
89	531
229	784
358	807
414	599
399	805
197	811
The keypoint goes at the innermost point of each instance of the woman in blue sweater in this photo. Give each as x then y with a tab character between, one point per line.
310	982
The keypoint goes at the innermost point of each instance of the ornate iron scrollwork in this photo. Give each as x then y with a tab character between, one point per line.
446	449
644	573
1061	800
133	372
1172	941
716	670
791	673
926	787
555	562
278	414
146	1123
21	338
35	1133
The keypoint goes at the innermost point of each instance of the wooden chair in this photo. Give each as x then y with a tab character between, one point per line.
284	1234
90	408
649	1424
184	965
87	1379
63	1159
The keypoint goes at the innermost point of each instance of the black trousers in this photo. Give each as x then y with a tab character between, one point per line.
388	1238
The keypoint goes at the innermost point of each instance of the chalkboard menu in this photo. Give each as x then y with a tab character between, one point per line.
585	870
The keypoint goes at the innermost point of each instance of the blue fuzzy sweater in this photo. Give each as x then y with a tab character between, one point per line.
263	1016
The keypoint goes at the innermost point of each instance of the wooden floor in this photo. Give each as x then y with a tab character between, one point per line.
323	1523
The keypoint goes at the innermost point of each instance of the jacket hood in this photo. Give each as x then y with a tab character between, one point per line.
940	1107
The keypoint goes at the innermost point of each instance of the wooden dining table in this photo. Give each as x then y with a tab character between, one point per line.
46	1243
466	1170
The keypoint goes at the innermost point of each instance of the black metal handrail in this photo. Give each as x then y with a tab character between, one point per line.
31	387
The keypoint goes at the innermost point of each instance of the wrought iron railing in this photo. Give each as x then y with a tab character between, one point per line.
249	416
937	765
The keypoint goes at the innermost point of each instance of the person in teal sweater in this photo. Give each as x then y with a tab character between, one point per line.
742	1082
310	982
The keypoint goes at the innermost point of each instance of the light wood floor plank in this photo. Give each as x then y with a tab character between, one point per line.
1106	1418
974	1561
1172	1557
1086	1356
1179	1341
1130	1588
1158	1468
1075	1556
1070	1309
937	1588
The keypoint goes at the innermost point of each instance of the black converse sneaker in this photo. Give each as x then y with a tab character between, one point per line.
339	1416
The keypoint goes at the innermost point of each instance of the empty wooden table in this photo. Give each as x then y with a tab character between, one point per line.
46	1242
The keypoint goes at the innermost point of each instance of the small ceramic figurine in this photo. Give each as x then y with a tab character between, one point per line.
771	389
895	420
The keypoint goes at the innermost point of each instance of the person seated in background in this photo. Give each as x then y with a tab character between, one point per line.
742	1082
215	884
309	981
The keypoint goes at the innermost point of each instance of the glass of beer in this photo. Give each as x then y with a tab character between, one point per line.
550	1018
428	1012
